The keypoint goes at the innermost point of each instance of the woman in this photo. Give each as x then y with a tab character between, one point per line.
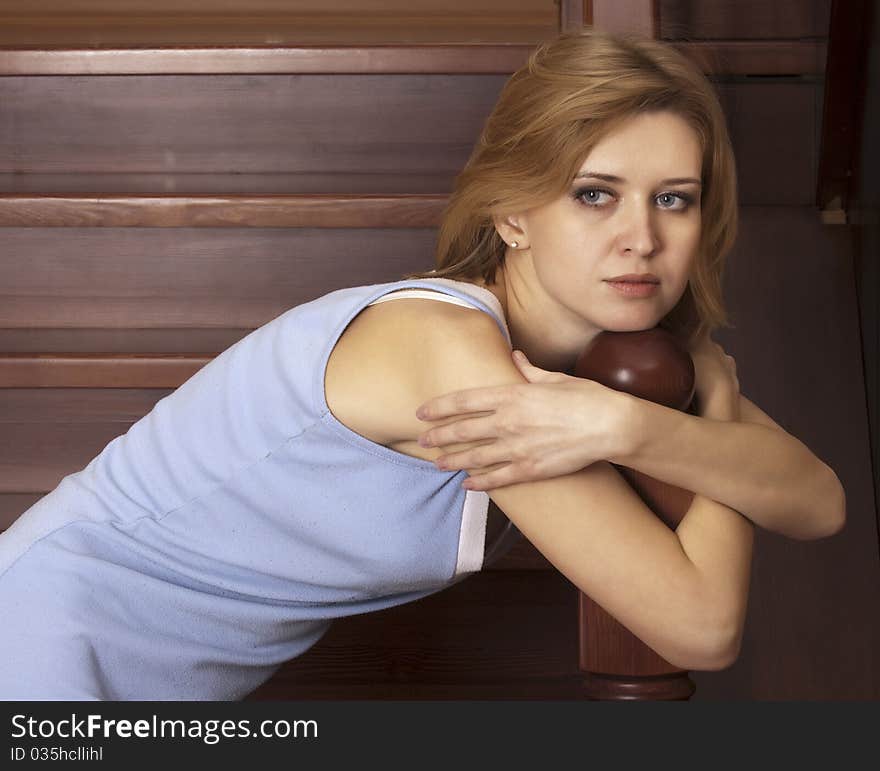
283	485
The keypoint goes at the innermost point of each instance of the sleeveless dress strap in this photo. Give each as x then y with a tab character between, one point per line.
426	294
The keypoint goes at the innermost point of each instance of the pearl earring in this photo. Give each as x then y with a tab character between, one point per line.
514	244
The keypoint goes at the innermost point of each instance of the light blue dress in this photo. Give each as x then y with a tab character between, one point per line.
225	530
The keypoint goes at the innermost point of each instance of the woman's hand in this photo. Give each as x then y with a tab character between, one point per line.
717	386
553	425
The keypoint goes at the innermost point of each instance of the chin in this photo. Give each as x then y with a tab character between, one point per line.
633	325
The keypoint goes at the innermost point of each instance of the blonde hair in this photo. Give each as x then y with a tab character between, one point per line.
572	92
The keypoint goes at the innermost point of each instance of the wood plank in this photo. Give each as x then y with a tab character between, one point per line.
460	640
261	19
136	9
13	505
487	21
93	370
407	125
432	181
843	110
780	168
354	59
812	630
121	340
271	210
765	58
571	15
786	57
743	19
623	17
127	281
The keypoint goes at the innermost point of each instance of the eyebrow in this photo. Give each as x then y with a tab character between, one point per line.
612	178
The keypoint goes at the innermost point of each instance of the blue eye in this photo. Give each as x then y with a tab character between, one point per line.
683	197
580	195
583	195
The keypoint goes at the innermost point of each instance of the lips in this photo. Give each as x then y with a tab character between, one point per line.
635	278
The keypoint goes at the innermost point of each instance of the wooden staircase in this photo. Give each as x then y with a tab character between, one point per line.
174	176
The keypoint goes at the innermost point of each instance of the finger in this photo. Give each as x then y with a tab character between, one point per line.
460	402
532	373
503	477
475	458
465	430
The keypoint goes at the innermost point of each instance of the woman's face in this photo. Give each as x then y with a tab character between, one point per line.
646	221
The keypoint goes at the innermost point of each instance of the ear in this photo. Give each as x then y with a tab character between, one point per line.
510	229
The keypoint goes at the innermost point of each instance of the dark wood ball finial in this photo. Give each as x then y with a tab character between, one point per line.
652	365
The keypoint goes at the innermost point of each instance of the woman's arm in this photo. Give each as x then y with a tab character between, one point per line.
683	593
750	464
706	520
765	473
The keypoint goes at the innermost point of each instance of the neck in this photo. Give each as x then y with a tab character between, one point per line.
550	336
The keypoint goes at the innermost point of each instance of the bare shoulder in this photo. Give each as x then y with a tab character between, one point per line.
590	524
383	359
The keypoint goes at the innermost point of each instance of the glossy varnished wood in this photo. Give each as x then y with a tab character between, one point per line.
360	60
272	177
843	108
716	58
209	25
267	211
774	22
812	629
93	370
464	642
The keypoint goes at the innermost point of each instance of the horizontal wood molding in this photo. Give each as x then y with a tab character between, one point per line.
191	150
436	181
463	642
186	211
243	10
95	370
717	57
636	17
358	60
757	57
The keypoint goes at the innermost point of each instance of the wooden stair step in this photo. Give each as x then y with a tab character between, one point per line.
270	210
255	183
794	57
98	370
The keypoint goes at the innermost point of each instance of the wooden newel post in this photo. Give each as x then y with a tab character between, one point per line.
616	664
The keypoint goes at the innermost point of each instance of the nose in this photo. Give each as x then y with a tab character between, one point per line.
638	231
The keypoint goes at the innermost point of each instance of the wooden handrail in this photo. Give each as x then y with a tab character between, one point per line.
796	57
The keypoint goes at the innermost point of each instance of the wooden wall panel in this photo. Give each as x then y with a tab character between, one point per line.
47	433
118	33
12	505
812	630
771	129
795	342
744	19
509	635
252	124
165	132
208	8
191	278
90	24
